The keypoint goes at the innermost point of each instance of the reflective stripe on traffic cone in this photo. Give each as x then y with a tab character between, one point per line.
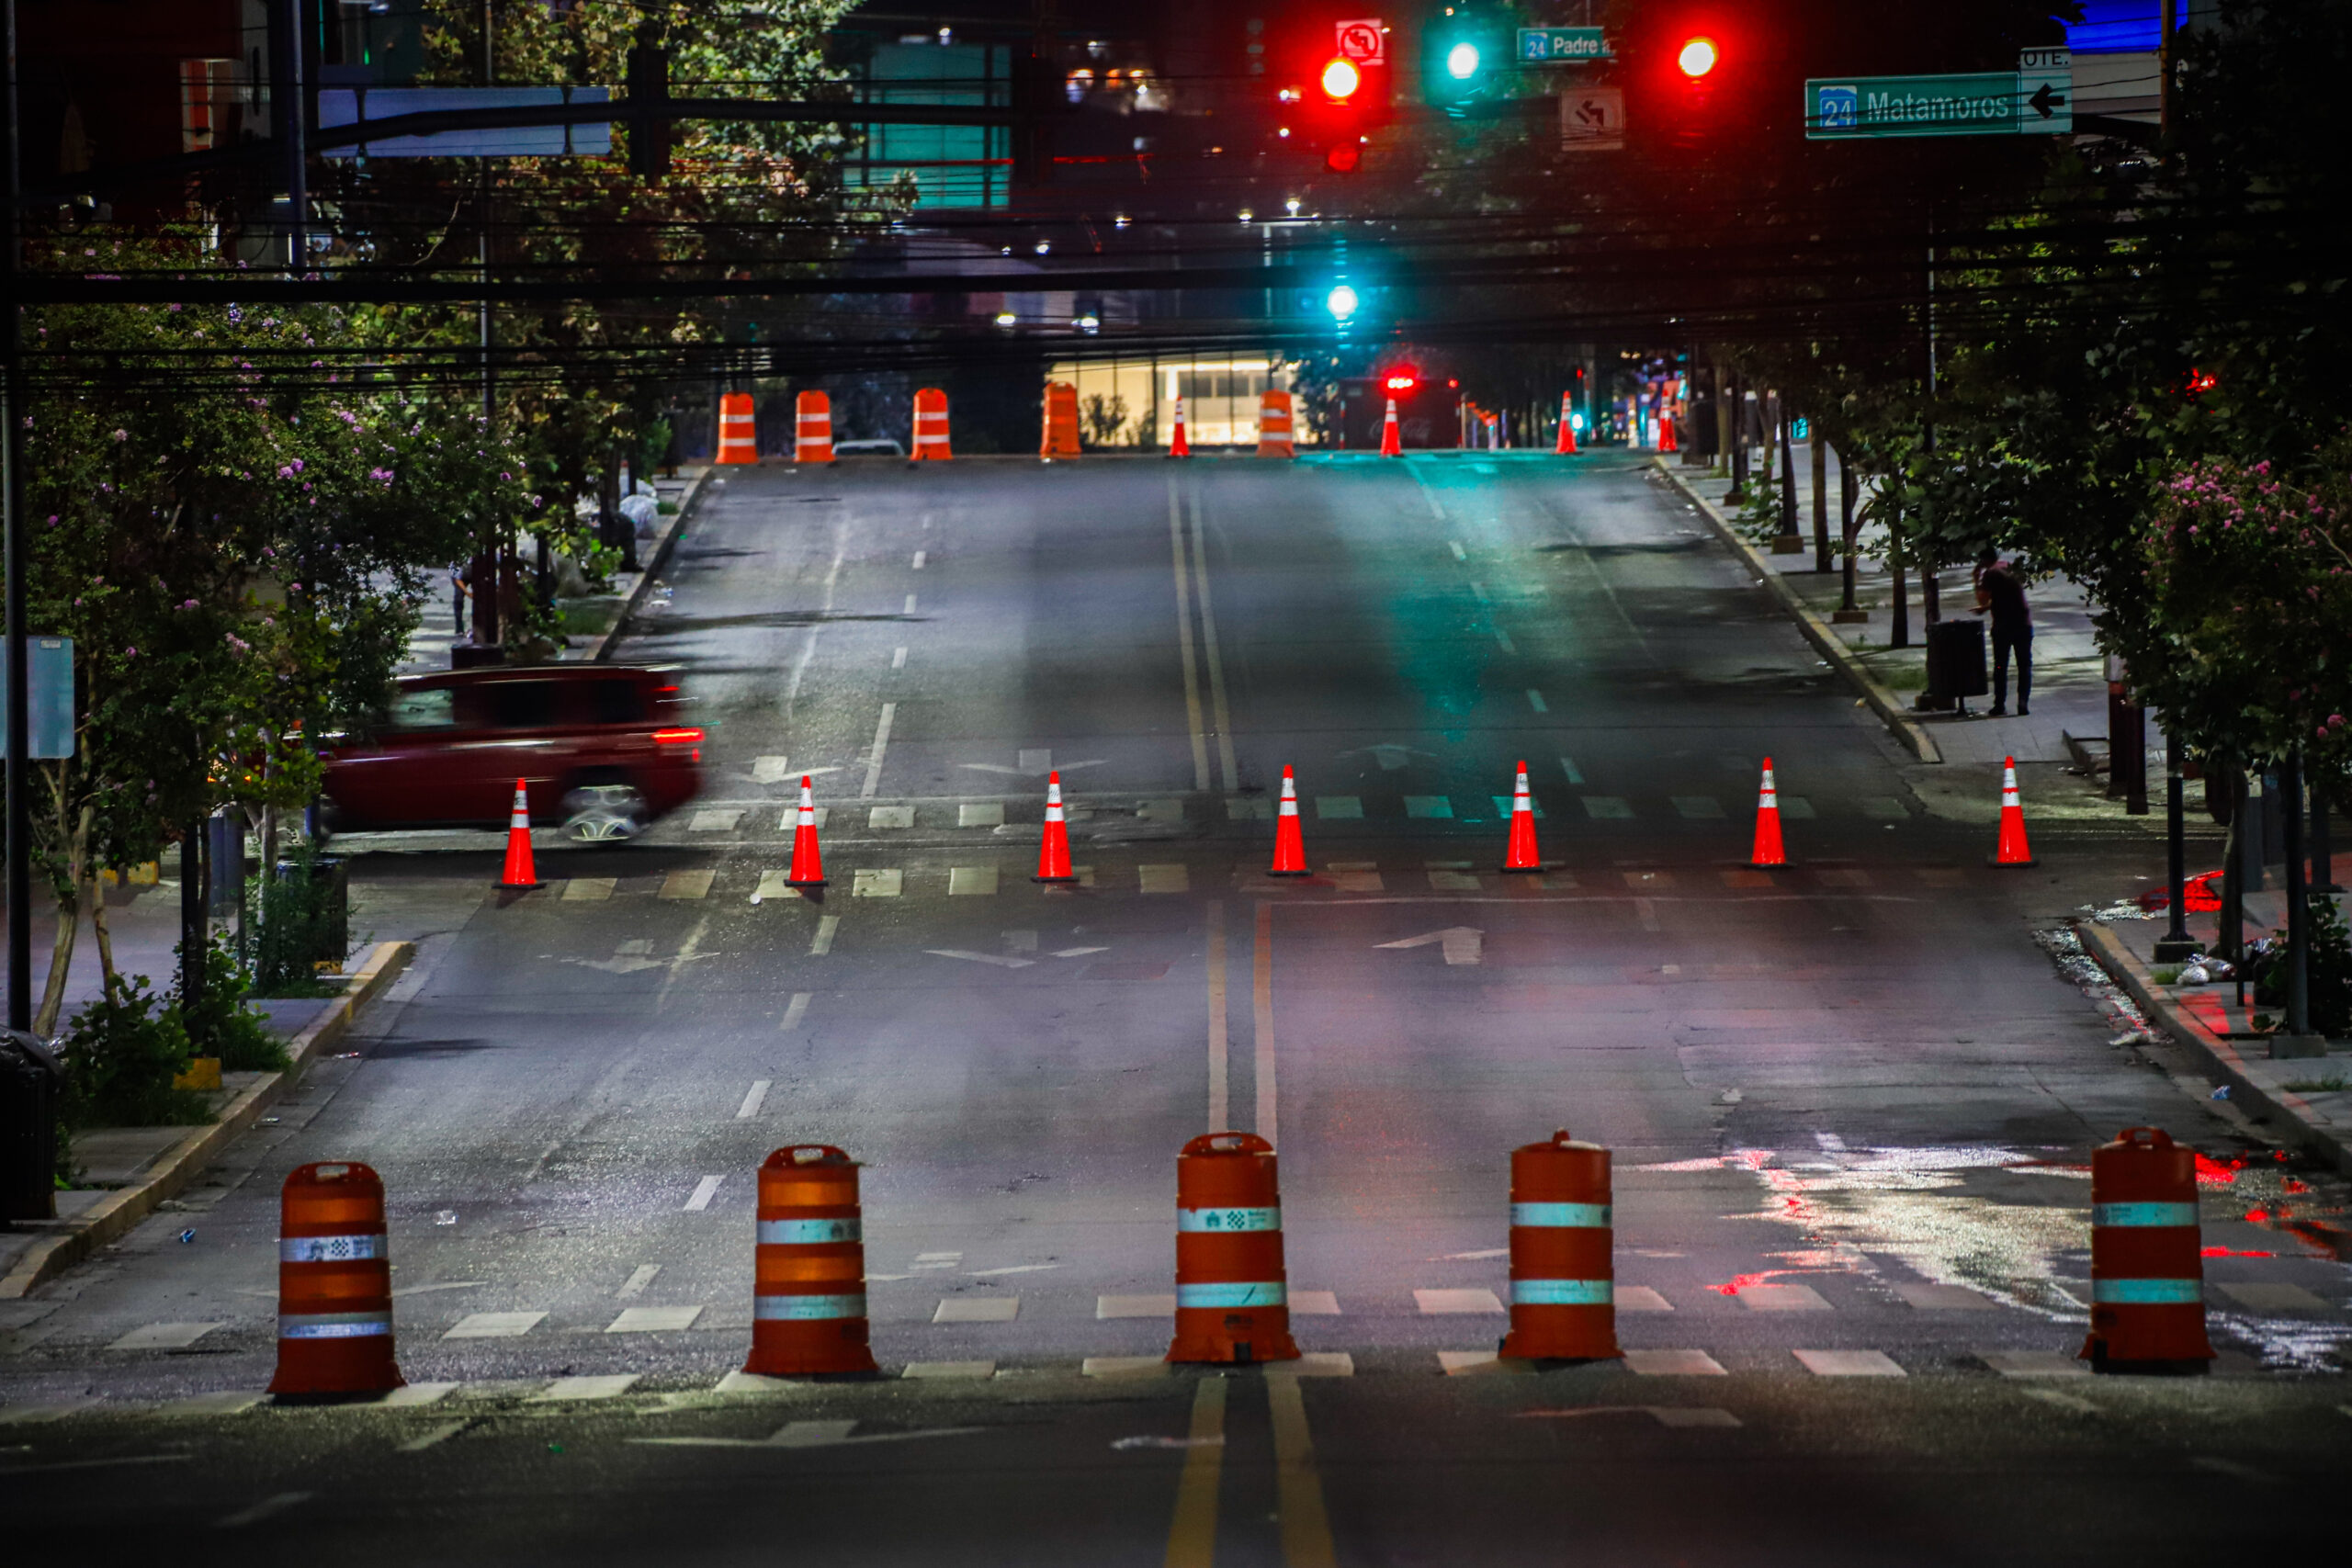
2147	1268
2011	849
1562	1272
1391	443
738	439
518	872
1768	824
812	436
930	427
1232	1292
1178	444
1567	446
1053	854
807	865
1522	855
1290	847
335	1285
1273	425
808	1302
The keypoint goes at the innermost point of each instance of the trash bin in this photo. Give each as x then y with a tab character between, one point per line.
1956	660
324	908
31	1083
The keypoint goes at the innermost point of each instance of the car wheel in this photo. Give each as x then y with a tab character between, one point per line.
604	813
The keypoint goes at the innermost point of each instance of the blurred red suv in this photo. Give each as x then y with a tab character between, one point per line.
601	749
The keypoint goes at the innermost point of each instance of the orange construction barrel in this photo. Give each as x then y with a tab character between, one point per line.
812	435
808	1307
335	1285
1232	1296
2147	1267
739	433
1274	425
1061	421
931	426
1563	1274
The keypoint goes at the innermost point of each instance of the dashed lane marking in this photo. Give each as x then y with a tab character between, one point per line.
46	1410
1535	700
1453	882
164	1337
1471	1363
920	557
795	1010
909	605
897	658
1568	766
654	1320
705	1190
1002	961
824	941
1459	553
268	1507
1848	1363
976	1309
1674	1364
753	1097
881	747
641	1277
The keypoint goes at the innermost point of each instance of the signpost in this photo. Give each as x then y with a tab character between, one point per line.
49	684
1592	119
1363	41
1544	46
2035	99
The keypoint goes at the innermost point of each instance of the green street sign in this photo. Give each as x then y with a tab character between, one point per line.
1543	46
48	681
1985	103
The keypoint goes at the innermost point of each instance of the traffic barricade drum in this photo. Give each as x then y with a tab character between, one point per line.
739	436
1563	1273
2147	1267
335	1285
1232	1296
1273	425
808	1309
931	426
1061	421
812	434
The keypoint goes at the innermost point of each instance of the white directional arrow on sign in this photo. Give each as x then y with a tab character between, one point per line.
1463	944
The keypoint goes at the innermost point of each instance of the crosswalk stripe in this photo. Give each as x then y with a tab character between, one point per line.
872	884
1848	1363
589	890
1339	808
1164	878
1674	1363
494	1324
1428	807
972	881
1607	808
687	884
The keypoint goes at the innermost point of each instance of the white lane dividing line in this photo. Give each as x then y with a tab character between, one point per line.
705	1190
641	1277
1459	553
433	1435
795	1010
267	1507
911	605
1185	640
1535	700
998	960
881	744
897	658
753	1097
826	926
921	556
1503	638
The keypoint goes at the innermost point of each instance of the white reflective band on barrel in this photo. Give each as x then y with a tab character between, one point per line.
808	1309
1226	1221
330	1248
2146	1292
2154	1214
1561	1216
1564	1292
805	1233
333	1324
1266	1293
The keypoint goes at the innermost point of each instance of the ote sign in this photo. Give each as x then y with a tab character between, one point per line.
1363	41
2036	101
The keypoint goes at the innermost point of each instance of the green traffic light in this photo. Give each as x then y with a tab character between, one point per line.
1461	61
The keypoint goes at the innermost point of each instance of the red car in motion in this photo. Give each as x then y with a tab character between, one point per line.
591	742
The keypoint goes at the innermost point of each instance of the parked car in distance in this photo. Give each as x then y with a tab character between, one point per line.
600	748
878	446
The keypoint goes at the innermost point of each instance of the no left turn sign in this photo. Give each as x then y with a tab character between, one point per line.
1364	41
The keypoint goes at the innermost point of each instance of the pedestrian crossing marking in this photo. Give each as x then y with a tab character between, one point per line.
164	1337
873	884
1164	878
1673	1364
1108	1307
1339	808
882	817
1314	1304
972	881
1428	807
714	820
495	1324
1607	808
653	1320
1944	1298
1640	1298
589	890
1848	1363
1780	1298
1698	808
771	769
976	1309
980	814
687	884
1439	1303
607	1385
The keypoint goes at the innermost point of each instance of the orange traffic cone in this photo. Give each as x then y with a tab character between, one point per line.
1665	432
1392	444
518	872
1290	846
1178	446
1053	855
1768	824
807	865
1522	855
2012	849
1567	446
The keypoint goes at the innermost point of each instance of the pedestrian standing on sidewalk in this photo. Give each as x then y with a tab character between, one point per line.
2000	594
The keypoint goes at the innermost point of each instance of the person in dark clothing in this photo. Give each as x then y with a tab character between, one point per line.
2000	595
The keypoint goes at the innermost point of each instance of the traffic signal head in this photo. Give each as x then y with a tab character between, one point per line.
1697	57
1341	79
1461	61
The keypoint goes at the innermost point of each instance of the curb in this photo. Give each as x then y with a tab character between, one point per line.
2294	1118
114	1215
1818	631
653	565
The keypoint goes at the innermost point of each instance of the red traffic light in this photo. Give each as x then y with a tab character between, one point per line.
1340	78
1697	57
1402	379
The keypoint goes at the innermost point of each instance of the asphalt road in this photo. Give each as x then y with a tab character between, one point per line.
1850	1102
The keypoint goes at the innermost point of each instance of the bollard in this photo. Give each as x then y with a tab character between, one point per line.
1232	1298
2147	1270
1563	1276
809	1310
335	1285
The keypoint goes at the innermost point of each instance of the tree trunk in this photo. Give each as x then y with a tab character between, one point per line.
80	882
107	974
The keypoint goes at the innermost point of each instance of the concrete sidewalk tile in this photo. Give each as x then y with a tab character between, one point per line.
1673	1364
1944	1298
1135	1306
2274	1297
1339	808
1848	1363
949	1370
653	1320
1641	1298
610	1385
1698	808
1123	1367
1428	807
2035	1363
971	881
1314	1304
1163	879
687	884
873	884
715	820
976	1309
1443	1302
164	1337
495	1324
1608	807
980	814
1780	1298
882	817
589	890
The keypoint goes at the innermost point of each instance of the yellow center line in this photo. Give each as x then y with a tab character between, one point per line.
1299	1486
1191	1535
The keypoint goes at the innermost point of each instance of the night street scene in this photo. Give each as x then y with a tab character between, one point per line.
1256	783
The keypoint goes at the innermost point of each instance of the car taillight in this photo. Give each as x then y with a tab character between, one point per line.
673	739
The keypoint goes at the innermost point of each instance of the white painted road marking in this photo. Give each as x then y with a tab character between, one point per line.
911	605
1462	944
771	769
1012	1269
1459	553
1535	700
1674	1364
267	1508
876	883
795	1010
987	814
753	1097
1780	1298
687	885
718	821
164	1337
1219	1045
972	881
976	1309
705	1190
1163	878
897	658
1192	718
588	889
1227	769
433	1435
606	1386
1438	1304
885	817
1641	1298
1568	766
1848	1363
416	1395
826	926
974	1370
639	1279
1339	808
881	745
1001	960
920	555
1107	1307
1945	1298
1314	1304
1607	808
495	1324
653	1320
2034	1363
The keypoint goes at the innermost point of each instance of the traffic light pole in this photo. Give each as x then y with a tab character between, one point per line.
12	560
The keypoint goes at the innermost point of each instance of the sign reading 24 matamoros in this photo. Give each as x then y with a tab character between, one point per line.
2035	99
